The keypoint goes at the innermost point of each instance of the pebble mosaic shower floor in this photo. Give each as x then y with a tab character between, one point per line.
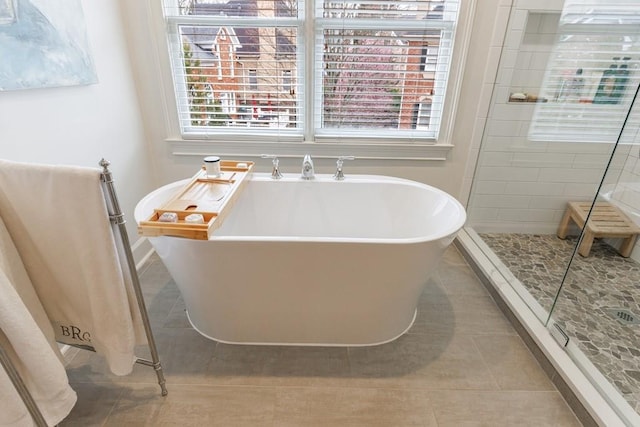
596	288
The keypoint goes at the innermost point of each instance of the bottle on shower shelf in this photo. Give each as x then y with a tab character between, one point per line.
622	77
606	92
575	87
571	87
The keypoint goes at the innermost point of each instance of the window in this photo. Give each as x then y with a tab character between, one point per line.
367	66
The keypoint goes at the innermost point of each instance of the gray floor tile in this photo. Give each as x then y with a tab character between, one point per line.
445	369
366	407
194	406
456	408
94	405
279	365
421	362
512	364
459	280
442	313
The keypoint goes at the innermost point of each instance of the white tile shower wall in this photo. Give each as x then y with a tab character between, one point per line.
522	185
626	186
533	188
533	49
529	219
519	20
529	186
500	21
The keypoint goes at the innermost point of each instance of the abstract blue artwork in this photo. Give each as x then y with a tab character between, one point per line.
43	43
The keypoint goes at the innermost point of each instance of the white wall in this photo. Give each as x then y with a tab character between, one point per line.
176	160
80	125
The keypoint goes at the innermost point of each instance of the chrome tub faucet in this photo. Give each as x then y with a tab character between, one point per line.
339	175
275	172
307	168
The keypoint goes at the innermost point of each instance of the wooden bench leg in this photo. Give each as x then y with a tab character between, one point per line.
586	242
563	228
627	246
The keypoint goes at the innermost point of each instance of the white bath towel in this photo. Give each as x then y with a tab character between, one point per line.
12	267
57	217
28	340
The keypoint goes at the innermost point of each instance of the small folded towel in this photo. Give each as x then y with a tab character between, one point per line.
57	217
28	339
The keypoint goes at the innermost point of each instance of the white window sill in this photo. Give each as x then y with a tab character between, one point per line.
395	151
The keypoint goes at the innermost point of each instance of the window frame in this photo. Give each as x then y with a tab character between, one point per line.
237	142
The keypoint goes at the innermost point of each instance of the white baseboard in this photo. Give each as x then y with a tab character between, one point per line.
141	250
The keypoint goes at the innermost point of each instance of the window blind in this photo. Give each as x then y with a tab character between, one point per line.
246	67
229	60
592	73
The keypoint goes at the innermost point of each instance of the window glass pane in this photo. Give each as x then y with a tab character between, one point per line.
373	79
241	66
233	76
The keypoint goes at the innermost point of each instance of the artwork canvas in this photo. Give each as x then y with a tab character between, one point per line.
43	43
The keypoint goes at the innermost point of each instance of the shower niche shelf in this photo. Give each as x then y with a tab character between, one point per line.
211	197
577	67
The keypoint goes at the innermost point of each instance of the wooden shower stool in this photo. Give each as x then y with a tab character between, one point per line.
606	221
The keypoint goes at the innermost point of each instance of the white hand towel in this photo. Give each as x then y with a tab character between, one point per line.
27	338
57	217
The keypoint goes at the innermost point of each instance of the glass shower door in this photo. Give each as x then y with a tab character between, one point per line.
545	143
598	305
560	129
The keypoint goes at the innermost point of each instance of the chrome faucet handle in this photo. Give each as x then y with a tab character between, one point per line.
339	175
307	168
275	172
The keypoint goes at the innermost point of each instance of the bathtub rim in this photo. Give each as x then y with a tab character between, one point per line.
141	214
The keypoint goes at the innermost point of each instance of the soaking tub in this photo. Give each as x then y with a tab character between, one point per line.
319	262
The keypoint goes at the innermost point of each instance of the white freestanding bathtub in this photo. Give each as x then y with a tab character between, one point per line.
318	262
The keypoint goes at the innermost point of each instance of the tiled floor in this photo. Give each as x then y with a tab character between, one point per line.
461	364
595	287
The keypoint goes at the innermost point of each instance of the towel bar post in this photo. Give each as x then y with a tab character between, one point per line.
22	390
118	218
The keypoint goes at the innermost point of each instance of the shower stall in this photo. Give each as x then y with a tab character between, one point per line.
561	137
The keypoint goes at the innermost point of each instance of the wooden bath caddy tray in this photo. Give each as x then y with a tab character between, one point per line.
213	198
